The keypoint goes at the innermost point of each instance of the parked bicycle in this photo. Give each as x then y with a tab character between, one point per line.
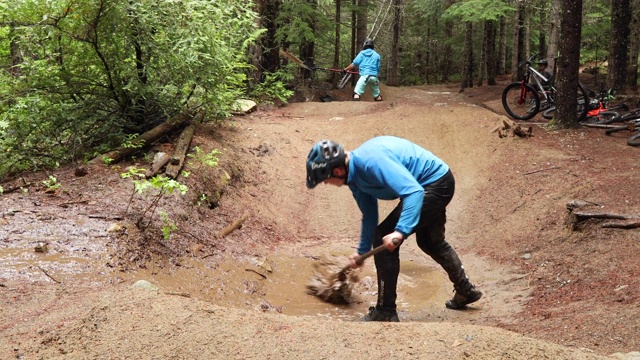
524	99
600	110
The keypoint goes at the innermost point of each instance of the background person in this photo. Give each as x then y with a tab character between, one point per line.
368	63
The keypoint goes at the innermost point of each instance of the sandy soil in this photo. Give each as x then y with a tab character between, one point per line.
554	288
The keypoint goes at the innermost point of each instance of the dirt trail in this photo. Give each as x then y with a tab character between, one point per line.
243	297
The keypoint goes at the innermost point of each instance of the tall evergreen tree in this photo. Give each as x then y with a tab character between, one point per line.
568	64
620	18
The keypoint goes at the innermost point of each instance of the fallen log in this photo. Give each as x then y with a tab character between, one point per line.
182	145
15	188
159	161
582	216
145	139
576	219
630	225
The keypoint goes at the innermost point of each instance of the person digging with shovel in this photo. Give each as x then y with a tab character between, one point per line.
387	168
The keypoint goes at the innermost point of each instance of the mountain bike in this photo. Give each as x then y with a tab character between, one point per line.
522	99
600	110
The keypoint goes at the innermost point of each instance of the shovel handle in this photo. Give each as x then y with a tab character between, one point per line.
374	251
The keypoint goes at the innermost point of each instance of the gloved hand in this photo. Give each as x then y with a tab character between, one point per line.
343	71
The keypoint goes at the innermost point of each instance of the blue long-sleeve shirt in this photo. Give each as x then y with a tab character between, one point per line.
388	168
368	62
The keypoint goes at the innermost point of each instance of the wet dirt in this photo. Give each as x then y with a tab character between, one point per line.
572	294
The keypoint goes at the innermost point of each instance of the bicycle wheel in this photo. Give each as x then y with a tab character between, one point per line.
632	115
520	101
583	103
612	130
581	111
634	140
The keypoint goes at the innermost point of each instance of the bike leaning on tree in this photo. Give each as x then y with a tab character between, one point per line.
524	99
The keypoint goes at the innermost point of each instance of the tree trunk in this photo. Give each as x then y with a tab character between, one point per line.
308	48
467	72
256	50
361	27
395	43
445	63
271	58
518	42
336	45
554	33
617	70
634	46
527	28
483	56
568	64
490	34
502	47
354	34
542	35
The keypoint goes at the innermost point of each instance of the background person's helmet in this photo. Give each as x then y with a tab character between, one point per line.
543	62
325	155
368	44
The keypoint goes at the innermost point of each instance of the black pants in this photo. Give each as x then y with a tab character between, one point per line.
430	236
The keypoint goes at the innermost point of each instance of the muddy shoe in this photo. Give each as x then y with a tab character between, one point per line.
460	301
378	314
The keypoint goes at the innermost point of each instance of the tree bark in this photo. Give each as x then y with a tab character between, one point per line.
336	45
361	27
467	72
542	28
502	47
490	31
518	42
445	62
482	69
308	48
554	33
395	44
617	70
634	46
568	64
271	58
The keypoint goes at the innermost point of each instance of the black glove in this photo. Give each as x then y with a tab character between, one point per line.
343	72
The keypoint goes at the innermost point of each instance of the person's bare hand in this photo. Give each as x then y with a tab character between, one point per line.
388	240
353	260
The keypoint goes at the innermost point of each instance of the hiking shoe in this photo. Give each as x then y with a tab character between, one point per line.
460	300
379	314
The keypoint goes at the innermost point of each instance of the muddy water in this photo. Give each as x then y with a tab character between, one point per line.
278	284
275	284
78	247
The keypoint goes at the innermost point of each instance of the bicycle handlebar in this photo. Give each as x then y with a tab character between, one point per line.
528	61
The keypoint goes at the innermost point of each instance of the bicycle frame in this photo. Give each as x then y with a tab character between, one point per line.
537	77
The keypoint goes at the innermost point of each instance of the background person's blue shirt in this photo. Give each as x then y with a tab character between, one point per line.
388	168
368	62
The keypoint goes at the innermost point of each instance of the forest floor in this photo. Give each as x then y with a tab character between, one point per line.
553	287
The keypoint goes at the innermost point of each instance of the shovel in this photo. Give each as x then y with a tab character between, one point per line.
342	275
333	283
